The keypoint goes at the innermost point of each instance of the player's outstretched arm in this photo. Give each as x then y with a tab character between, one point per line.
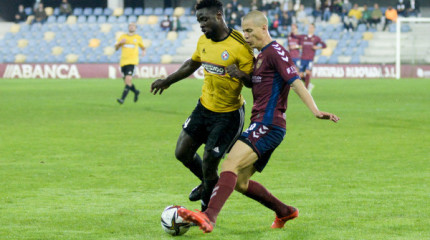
184	71
306	97
119	44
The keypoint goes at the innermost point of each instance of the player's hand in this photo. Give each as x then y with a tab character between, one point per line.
159	85
234	71
328	116
122	41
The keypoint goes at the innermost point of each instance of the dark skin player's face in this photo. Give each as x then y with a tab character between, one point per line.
209	22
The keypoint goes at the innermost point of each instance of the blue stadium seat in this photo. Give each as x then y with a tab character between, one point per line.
355	59
121	19
138	11
56	11
51	19
77	11
28	10
61	19
107	12
168	11
322	60
148	11
92	19
111	19
128	11
87	11
187	11
361	28
132	18
364	44
98	11
101	19
333	60
81	19
349	52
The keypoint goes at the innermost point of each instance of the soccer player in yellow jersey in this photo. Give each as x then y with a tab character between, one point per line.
129	43
217	120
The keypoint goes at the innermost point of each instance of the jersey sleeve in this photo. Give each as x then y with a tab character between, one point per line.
282	62
321	42
120	37
140	43
246	59
196	55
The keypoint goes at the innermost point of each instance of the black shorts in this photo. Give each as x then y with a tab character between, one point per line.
218	131
127	70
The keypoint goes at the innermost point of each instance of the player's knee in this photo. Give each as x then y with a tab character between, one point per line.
183	155
229	165
241	187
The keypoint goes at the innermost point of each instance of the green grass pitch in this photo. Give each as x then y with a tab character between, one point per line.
76	165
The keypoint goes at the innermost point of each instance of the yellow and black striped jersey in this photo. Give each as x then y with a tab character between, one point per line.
220	92
130	50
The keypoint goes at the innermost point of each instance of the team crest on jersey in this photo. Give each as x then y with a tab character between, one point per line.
135	40
259	62
225	55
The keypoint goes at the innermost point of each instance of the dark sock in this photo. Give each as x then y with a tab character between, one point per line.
125	92
133	89
260	194
220	194
307	80
195	166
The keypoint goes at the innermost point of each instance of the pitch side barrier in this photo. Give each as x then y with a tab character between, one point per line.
112	71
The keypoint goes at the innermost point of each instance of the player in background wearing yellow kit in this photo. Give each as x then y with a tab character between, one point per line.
217	120
129	44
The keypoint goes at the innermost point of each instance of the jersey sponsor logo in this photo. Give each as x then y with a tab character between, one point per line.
225	55
256	79
212	68
291	69
129	45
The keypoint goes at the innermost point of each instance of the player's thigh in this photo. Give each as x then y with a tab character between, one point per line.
240	157
186	146
243	178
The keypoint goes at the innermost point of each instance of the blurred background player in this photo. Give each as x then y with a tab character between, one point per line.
294	45
274	74
129	43
309	44
218	118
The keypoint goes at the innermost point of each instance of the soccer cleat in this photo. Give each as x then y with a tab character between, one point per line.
120	101
196	193
280	222
198	218
136	95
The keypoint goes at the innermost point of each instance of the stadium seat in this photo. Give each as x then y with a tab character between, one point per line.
128	11
138	11
20	58
15	28
132	18
121	19
108	51
331	43
94	43
49	11
87	11
361	28
101	19
92	19
166	59
367	36
141	20
158	11
322	60
82	19
98	11
107	12
344	59
77	11
152	20
51	19
179	11
62	19
334	19
72	58
327	51
56	51
111	19
22	43
355	60
105	27
118	12
56	11
148	11
28	11
168	11
48	36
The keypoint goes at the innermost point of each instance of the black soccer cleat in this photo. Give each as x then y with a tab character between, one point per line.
120	101
136	95
196	193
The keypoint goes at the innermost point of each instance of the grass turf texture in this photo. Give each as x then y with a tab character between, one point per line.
76	165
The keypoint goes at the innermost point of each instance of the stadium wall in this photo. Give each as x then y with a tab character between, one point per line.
112	71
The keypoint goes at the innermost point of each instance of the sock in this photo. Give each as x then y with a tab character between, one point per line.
133	89
220	194
195	166
307	80
125	92
260	194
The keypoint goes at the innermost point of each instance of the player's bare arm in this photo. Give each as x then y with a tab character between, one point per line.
234	72
189	66
306	97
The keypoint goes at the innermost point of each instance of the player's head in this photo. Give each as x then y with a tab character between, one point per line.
132	27
210	16
255	29
311	29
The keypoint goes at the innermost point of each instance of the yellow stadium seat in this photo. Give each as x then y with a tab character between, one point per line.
166	59
172	35
108	51
15	28
22	43
20	58
146	42
179	11
367	36
48	36
118	12
57	50
94	42
49	11
327	52
71	19
152	20
105	27
331	43
72	58
141	20
334	19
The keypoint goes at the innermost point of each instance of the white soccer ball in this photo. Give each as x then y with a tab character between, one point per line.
172	223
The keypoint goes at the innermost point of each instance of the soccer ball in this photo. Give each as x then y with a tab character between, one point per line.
172	223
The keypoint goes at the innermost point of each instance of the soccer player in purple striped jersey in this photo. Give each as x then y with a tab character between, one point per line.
274	74
294	45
